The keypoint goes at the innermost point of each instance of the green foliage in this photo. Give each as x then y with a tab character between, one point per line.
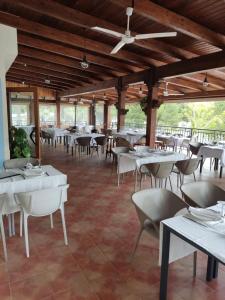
19	146
205	115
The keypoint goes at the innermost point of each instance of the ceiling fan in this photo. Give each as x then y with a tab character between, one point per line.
166	93
127	38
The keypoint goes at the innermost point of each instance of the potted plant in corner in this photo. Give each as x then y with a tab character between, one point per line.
19	146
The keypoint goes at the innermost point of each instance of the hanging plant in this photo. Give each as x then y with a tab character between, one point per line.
144	104
123	111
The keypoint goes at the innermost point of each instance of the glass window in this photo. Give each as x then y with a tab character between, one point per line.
20	114
135	118
47	114
113	116
67	115
82	114
99	112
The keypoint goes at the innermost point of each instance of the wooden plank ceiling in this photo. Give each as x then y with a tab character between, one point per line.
54	35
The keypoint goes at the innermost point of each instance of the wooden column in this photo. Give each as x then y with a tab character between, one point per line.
58	118
121	91
92	114
106	115
37	124
152	106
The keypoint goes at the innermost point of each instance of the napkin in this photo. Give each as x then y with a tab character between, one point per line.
33	172
205	215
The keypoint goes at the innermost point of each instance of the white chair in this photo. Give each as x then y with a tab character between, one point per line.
41	203
3	198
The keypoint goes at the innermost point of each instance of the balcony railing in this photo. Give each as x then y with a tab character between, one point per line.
202	135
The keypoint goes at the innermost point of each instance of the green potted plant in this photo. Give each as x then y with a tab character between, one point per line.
144	104
19	146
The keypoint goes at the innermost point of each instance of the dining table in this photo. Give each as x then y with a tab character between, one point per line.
21	180
56	133
181	236
173	140
133	160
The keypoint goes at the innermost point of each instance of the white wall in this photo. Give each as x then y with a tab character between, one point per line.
8	53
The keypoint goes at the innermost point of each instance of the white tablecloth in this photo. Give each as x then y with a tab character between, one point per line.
72	137
55	132
129	162
53	178
131	136
213	152
211	241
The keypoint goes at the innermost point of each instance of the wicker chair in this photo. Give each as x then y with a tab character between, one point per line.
84	145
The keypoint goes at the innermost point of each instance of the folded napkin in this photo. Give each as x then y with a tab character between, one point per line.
33	172
205	215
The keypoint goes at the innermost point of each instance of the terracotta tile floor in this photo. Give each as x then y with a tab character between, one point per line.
102	228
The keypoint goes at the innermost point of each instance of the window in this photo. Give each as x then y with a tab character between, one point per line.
67	115
47	114
82	114
20	114
99	112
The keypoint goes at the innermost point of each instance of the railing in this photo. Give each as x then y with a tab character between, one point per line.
202	135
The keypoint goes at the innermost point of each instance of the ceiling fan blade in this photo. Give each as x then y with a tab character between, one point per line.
118	47
108	31
154	35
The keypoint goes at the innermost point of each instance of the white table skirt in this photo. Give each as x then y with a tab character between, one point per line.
130	162
53	179
55	132
131	137
213	152
72	137
175	141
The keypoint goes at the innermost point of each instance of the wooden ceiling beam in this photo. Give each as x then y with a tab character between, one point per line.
39	80
46	65
200	77
33	83
162	15
77	41
60	60
51	47
46	72
194	65
43	76
72	16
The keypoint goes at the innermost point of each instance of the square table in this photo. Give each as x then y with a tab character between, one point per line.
202	238
134	160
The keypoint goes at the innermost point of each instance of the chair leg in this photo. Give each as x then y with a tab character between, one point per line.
3	238
25	217
51	221
137	242
21	223
194	263
170	184
13	224
10	225
64	224
194	176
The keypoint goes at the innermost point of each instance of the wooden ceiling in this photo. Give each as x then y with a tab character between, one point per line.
53	36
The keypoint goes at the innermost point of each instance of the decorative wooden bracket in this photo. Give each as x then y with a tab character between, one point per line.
122	111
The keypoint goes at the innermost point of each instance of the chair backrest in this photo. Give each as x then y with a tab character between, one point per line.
202	193
160	170
121	142
41	202
194	147
188	166
17	163
101	140
156	205
84	141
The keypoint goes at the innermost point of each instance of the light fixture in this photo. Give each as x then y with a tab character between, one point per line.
23	82
104	96
25	65
47	81
84	63
205	82
140	91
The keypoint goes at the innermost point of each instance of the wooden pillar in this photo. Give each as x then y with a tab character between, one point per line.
151	111
58	118
106	115
92	113
121	91
37	124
